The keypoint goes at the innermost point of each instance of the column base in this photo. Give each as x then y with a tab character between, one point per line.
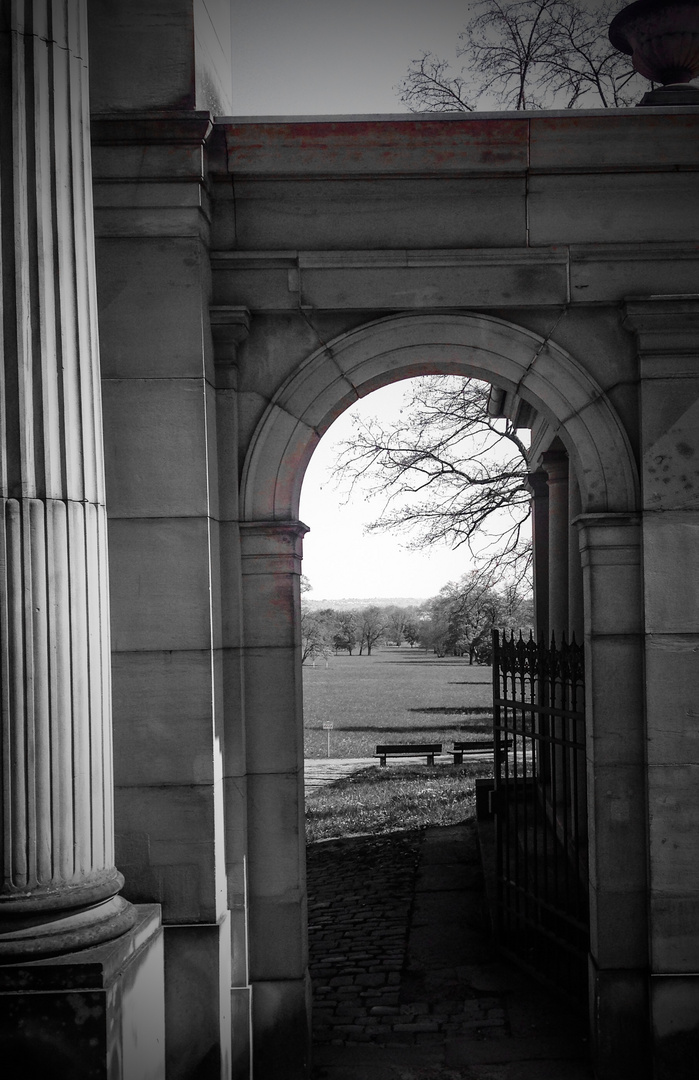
241	1032
619	1024
281	1029
96	1014
53	933
675	1011
198	1000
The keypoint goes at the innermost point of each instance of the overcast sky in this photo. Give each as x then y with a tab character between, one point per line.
340	560
301	57
334	56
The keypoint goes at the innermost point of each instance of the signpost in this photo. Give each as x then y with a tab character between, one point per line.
328	726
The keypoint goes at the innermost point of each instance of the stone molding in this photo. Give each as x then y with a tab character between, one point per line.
579	274
484	143
150	174
272	547
403	345
129	129
230	325
664	325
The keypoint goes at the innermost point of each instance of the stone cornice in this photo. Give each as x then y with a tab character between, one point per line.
108	129
442	146
664	325
468	276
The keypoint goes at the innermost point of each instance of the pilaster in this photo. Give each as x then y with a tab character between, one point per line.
667	334
271	569
160	407
229	328
610	546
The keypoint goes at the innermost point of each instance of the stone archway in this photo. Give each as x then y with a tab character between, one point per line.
302	409
465	344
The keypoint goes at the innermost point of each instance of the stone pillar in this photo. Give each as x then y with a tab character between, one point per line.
540	543
276	837
176	709
555	463
667	332
161	454
68	941
617	826
60	887
575	584
229	326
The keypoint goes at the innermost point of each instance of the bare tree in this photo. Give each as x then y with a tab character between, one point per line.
372	627
450	472
528	54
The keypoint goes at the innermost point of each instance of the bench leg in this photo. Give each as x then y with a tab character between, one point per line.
458	757
382	761
430	759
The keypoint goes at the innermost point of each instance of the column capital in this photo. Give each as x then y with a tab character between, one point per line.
555	465
230	325
606	521
614	538
664	325
269	547
537	484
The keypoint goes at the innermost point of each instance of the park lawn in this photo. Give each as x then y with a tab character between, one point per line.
394	695
376	801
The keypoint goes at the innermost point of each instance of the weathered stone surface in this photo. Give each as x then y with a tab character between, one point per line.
198	964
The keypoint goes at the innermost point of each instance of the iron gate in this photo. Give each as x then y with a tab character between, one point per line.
542	918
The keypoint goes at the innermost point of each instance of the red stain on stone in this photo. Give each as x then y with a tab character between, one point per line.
404	144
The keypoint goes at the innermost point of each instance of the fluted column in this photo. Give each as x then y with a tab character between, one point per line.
59	883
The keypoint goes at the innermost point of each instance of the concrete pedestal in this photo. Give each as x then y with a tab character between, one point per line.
97	1014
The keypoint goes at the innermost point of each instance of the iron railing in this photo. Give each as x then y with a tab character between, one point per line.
542	918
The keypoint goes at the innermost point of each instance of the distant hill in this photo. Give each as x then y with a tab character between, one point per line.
350	603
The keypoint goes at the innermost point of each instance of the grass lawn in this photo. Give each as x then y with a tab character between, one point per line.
394	695
399	797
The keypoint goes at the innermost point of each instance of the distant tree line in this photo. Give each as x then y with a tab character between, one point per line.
457	622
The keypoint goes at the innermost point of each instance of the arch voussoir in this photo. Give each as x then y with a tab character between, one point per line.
402	346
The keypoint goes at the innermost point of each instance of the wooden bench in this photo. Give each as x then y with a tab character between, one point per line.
461	748
408	750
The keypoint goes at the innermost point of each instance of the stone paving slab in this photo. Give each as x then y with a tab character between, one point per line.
319	772
406	981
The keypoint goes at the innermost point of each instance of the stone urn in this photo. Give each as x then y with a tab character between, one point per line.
662	39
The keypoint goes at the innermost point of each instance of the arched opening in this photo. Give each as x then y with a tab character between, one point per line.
577	413
514	359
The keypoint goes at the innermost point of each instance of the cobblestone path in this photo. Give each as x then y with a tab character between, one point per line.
406	981
360	896
365	988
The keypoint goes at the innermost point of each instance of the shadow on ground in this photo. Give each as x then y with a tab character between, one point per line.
407	984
